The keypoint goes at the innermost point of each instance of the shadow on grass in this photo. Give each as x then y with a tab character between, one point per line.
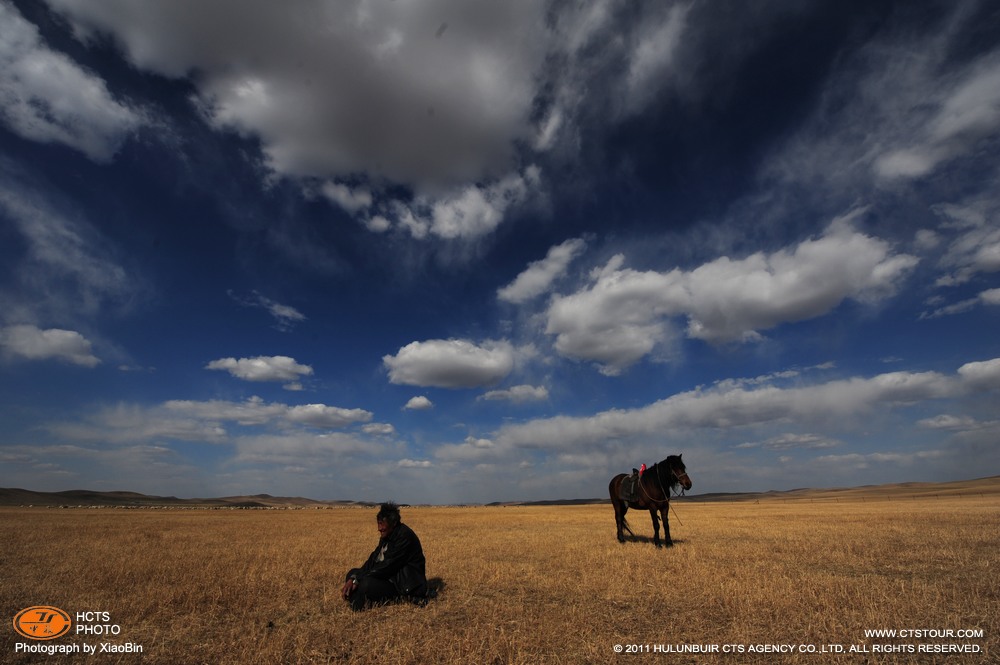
649	540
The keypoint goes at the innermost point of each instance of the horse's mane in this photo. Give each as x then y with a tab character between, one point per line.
667	479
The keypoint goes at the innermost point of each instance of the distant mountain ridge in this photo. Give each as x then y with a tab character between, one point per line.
126	499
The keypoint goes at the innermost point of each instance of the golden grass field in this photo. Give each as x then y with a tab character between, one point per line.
520	584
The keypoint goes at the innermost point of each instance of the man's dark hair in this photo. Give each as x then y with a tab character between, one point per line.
388	512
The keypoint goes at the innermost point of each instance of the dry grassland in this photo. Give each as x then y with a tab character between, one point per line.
521	584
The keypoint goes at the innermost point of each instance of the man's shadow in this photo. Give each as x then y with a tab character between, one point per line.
435	586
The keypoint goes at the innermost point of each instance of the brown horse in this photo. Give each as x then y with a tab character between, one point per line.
654	495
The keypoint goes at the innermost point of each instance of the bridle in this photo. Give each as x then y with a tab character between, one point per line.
680	479
659	481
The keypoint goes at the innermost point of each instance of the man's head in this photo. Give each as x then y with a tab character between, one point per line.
387	518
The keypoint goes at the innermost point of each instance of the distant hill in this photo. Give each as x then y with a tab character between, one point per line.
89	498
990	485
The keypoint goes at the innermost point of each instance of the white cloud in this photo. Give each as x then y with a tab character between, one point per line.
990	297
418	403
414	464
518	394
464	213
982	375
732	406
254	411
625	314
27	342
452	363
539	276
262	368
351	200
472	449
46	97
379	429
323	416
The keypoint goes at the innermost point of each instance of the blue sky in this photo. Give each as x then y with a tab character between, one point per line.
450	251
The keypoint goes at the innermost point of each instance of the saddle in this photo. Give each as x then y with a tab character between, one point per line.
629	490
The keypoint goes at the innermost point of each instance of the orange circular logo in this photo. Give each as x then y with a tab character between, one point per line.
42	622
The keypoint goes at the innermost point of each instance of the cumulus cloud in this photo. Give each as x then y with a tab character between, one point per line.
327	417
990	297
452	363
518	394
46	97
982	375
539	276
733	405
471	450
351	200
370	97
380	429
418	403
467	212
27	342
414	464
263	368
365	88
624	314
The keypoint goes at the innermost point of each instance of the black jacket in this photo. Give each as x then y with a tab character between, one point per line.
402	564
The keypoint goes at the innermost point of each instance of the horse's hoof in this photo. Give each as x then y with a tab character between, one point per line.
669	543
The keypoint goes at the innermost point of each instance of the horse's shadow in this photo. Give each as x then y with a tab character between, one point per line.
648	539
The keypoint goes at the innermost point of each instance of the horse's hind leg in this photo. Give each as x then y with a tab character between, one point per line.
620	509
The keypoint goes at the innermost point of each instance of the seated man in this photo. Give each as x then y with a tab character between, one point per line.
394	570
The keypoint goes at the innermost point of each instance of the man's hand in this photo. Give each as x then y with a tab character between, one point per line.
349	587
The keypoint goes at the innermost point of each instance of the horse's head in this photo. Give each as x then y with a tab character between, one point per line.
676	466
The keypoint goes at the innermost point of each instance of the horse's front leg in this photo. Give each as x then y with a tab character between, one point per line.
666	525
656	527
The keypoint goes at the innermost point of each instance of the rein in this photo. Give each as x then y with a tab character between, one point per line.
659	481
